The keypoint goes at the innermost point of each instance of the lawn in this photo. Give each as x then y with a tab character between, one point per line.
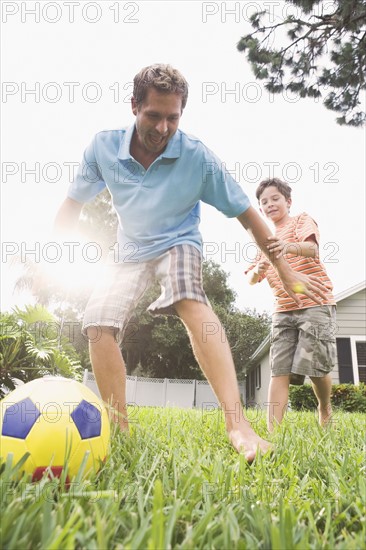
176	483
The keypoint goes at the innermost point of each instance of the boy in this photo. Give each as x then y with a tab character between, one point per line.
302	339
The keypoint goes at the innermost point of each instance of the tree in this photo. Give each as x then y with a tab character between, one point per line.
245	330
215	283
315	36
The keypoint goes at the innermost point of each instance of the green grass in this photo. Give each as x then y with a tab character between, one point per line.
176	483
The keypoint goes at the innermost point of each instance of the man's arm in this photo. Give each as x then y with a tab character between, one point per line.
307	248
68	216
291	280
64	228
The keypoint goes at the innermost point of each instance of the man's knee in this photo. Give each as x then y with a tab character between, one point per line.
101	335
200	319
190	307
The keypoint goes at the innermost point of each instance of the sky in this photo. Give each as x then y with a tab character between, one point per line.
67	71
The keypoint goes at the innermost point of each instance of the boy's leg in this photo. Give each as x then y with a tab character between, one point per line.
109	371
284	341
277	400
213	354
322	387
317	352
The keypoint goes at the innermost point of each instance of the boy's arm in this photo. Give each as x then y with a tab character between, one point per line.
293	282
255	274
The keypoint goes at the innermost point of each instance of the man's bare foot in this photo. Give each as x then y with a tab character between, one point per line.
117	419
249	445
325	415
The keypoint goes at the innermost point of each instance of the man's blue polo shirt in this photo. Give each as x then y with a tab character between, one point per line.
157	208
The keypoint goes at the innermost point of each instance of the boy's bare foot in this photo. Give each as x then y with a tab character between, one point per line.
325	415
248	445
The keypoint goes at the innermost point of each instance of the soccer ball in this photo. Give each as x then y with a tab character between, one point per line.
59	422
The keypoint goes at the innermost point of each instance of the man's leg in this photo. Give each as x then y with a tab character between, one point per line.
277	400
116	295
322	387
110	372
213	354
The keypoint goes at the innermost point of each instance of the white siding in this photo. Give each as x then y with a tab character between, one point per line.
351	315
260	396
351	320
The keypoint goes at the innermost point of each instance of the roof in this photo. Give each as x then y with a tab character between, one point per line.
264	346
352	290
261	349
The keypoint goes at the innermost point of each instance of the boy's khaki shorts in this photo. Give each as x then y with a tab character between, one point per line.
303	341
116	295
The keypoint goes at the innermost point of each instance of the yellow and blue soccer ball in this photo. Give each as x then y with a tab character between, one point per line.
60	422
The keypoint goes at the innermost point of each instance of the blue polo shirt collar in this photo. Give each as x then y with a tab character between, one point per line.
172	151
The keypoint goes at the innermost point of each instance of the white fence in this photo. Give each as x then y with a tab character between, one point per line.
164	392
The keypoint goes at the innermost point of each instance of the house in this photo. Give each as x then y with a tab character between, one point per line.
350	334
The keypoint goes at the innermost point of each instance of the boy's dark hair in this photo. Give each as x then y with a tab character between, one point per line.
164	78
282	187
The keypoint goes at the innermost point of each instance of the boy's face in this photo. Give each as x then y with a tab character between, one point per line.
274	205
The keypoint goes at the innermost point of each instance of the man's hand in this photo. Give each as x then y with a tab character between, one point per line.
297	283
311	286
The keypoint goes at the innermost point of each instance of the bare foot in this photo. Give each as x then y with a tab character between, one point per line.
117	429
249	445
117	419
325	415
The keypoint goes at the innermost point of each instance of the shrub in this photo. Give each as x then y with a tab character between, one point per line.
302	398
346	397
349	397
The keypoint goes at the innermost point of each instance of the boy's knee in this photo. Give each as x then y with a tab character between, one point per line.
321	380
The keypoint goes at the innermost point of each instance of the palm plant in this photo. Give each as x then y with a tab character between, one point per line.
32	345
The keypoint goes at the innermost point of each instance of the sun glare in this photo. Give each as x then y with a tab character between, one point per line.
72	266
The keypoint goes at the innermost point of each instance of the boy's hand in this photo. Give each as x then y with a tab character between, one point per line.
276	246
262	266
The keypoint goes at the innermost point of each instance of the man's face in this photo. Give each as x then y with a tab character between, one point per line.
157	120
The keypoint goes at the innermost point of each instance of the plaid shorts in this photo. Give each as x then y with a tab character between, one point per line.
116	295
303	341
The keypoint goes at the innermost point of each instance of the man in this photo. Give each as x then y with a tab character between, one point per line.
157	175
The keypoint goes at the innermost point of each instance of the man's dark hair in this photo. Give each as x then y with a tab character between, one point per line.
164	78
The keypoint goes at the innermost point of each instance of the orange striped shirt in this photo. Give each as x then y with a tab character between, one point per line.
297	229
